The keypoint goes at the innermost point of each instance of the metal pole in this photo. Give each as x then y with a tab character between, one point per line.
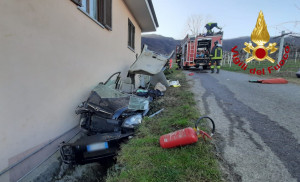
296	55
247	55
230	59
280	49
226	57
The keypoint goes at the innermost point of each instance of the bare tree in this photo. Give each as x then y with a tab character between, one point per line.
195	24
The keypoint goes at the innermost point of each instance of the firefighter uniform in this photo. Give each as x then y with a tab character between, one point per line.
216	57
178	60
209	28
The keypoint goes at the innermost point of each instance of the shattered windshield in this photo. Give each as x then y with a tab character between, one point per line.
112	100
105	91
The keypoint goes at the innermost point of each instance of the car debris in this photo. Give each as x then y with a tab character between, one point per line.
154	114
149	93
174	83
113	110
152	64
160	87
108	117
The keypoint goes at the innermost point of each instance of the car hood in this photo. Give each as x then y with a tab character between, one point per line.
149	63
109	100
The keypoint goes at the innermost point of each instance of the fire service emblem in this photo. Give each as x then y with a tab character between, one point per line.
260	36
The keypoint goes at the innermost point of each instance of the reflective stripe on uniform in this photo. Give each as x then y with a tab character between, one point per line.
218	53
218	67
212	67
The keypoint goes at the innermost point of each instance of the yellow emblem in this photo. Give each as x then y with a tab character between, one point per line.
260	36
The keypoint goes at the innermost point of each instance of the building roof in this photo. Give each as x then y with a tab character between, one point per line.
144	13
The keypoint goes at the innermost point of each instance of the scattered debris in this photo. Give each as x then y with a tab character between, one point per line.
186	136
270	81
298	74
149	93
160	87
152	115
175	83
191	74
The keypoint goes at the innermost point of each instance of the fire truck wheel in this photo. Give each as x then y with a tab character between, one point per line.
197	66
204	67
186	67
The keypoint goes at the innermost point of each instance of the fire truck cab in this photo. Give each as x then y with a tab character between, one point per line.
194	51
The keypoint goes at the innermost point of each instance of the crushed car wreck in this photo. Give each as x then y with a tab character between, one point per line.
109	116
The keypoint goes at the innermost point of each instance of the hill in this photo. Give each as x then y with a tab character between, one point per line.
160	44
165	45
229	43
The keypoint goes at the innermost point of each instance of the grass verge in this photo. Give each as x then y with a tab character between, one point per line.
288	71
142	158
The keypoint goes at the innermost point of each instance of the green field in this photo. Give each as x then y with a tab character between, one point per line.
287	70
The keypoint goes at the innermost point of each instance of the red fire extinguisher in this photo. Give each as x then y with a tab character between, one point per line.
185	136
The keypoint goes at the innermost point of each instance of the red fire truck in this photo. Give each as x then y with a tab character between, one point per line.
194	51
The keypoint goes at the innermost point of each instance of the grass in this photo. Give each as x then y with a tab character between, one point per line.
142	158
288	71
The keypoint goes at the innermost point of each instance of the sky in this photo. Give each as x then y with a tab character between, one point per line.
236	17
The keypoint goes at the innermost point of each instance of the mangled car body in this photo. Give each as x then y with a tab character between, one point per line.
109	116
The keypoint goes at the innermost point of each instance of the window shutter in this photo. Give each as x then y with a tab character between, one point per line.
101	11
129	32
77	2
108	14
133	36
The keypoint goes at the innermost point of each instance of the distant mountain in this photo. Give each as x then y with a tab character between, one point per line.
165	45
229	43
160	44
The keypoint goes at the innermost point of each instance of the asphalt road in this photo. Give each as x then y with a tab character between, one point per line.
257	125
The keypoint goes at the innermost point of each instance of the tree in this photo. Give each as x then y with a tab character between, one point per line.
195	24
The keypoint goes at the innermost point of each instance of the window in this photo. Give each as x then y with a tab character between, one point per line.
99	10
131	34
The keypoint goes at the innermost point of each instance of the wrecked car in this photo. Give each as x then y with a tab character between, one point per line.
108	117
111	113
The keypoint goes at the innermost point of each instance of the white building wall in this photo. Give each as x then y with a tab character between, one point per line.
51	56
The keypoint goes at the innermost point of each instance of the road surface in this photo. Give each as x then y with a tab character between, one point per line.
257	125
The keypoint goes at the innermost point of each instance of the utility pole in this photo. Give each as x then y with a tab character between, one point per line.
247	55
296	56
280	48
231	59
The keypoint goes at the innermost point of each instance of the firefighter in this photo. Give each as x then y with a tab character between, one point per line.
210	26
216	55
178	59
